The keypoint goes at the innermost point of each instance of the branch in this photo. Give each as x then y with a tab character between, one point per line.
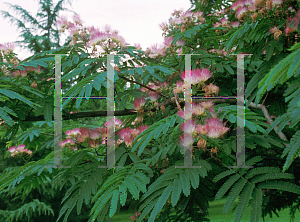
147	87
125	112
268	118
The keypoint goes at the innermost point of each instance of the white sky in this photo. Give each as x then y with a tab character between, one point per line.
136	20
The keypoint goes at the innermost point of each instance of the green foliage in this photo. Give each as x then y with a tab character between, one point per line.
26	211
250	186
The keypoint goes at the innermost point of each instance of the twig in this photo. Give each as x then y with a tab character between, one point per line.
268	118
147	87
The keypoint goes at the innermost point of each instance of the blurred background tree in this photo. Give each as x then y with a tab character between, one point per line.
38	33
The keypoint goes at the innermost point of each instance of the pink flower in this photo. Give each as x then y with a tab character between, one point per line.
153	95
235	24
215	127
240	11
237	4
163	26
93	143
211	89
95	134
249	2
201	129
62	21
197	110
65	142
207	105
84	134
273	30
198	75
139	103
12	149
125	134
180	113
179	87
77	19
137	46
180	42
168	41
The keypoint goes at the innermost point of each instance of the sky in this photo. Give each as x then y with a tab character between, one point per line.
136	20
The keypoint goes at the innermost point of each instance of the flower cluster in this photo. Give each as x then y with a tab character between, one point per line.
212	127
15	151
127	135
259	8
92	37
81	135
97	136
182	20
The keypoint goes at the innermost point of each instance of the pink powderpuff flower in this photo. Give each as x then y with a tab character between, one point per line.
215	127
134	132
62	21
137	46
118	123
98	37
168	41
125	134
240	11
198	110
207	105
73	132
224	22
249	2
201	129
181	113
217	24
179	51
3	48
198	75
179	87
163	26
235	24
23	73
273	30
180	42
237	5
139	103
84	134
95	134
211	89
65	142
10	46
93	143
12	149
176	21
153	96
77	19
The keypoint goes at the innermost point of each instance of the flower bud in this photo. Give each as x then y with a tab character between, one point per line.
34	85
